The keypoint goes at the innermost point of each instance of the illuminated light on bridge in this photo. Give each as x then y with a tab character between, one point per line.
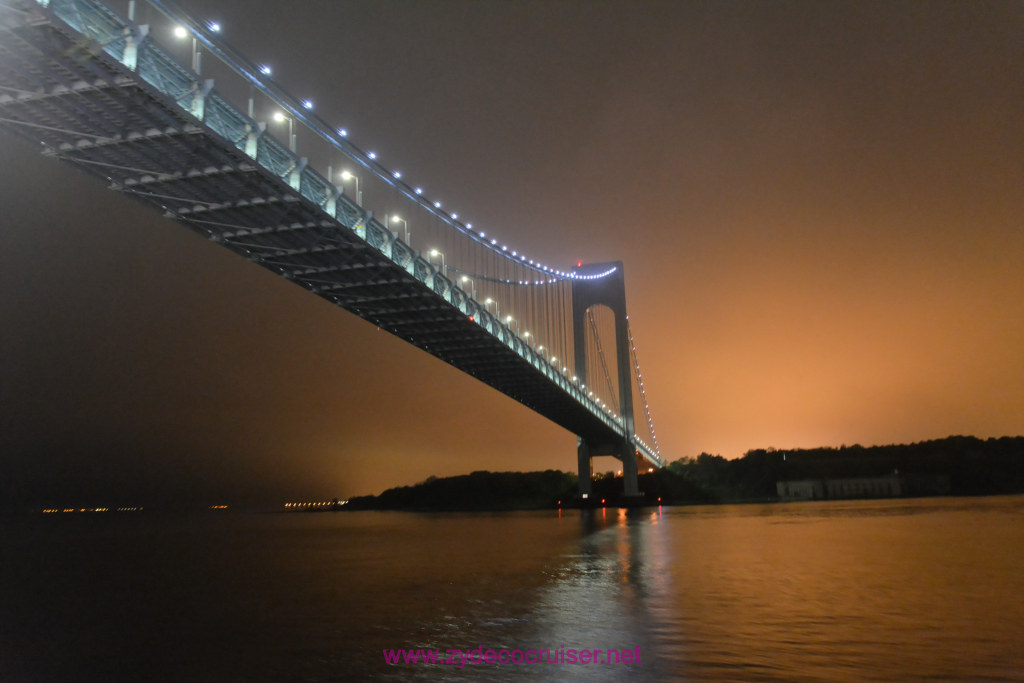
130	105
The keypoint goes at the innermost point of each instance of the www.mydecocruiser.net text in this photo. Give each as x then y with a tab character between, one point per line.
562	655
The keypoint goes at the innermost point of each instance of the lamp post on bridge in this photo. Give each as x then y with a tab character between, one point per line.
281	117
464	280
347	176
181	32
405	224
487	302
444	268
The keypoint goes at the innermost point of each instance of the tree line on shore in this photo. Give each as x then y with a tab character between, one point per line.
956	465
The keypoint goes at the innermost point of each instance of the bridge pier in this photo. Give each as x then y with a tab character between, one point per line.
586	469
585	453
630	483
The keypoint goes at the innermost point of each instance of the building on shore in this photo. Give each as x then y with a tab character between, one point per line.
893	485
888	486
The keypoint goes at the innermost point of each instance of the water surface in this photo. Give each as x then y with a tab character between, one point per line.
928	589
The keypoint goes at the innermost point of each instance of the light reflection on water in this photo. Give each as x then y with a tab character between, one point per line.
831	591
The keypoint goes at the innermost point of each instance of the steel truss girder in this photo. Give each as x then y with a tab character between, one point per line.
328	287
281	252
348	268
179	176
129	138
78	87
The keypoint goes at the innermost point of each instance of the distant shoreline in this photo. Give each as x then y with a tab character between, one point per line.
956	466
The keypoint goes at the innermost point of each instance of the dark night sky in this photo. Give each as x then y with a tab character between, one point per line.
820	207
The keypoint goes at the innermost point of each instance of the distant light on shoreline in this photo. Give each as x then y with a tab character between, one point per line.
50	511
315	505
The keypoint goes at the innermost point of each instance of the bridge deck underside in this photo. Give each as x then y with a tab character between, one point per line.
88	109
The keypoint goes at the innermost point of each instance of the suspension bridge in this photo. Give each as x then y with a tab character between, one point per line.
162	109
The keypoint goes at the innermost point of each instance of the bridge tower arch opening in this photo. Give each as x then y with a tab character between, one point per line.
589	292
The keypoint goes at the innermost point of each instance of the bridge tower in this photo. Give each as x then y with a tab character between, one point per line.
610	291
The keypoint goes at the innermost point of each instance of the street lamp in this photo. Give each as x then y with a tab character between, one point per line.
405	224
488	301
182	32
281	117
464	280
444	268
508	323
347	176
